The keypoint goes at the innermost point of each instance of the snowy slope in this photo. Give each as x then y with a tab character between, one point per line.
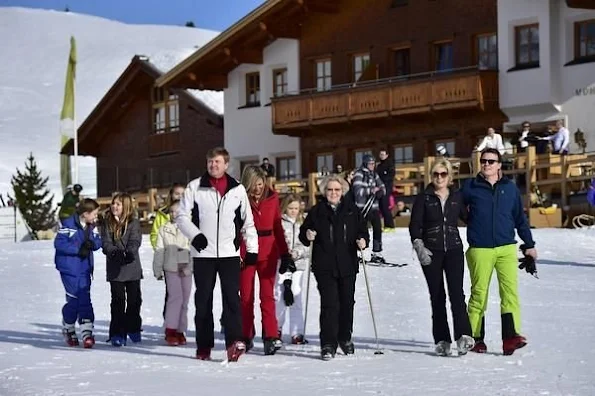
557	312
35	46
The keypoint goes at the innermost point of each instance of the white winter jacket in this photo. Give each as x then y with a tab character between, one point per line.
295	246
223	220
172	248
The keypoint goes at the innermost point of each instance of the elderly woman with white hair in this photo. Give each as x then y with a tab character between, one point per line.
337	229
436	240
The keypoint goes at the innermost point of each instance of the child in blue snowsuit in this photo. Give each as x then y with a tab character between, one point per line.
75	242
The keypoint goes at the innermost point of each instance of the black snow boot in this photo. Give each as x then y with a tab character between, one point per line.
347	347
270	347
327	352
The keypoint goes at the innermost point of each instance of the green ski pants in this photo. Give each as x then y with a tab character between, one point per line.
481	263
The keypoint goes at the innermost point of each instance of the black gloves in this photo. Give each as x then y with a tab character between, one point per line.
250	258
379	194
83	251
527	263
118	256
287	264
88	244
287	293
200	242
129	256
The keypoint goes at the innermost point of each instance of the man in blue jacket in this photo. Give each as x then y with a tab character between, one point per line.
495	211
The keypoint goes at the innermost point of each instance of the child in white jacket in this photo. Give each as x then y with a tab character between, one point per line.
289	286
172	262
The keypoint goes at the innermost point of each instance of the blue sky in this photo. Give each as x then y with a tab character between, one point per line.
208	14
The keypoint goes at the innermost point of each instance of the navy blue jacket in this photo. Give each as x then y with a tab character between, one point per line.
494	213
69	239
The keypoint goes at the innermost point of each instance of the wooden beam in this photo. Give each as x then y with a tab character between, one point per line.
322	6
243	56
213	81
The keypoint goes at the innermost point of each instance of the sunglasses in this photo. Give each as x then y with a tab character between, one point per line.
440	174
487	161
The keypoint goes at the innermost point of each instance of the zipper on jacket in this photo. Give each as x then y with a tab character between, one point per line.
345	233
444	222
494	209
332	232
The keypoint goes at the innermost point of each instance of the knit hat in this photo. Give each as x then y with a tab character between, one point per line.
367	159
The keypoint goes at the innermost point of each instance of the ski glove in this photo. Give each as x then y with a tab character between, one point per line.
118	257
129	256
83	251
200	242
88	244
287	293
287	264
423	253
250	258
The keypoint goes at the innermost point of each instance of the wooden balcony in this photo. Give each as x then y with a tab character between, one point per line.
163	143
465	89
587	4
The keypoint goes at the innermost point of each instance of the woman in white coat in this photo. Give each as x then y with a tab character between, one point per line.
288	292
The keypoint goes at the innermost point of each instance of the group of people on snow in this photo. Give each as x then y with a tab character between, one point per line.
218	226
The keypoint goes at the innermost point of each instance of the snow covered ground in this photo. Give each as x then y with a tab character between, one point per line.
35	48
557	312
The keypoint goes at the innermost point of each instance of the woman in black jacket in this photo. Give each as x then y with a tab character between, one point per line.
338	231
121	235
435	236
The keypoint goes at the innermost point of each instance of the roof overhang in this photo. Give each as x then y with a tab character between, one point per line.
243	42
586	4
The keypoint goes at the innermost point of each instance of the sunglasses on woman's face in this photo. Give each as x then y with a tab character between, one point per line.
488	161
443	175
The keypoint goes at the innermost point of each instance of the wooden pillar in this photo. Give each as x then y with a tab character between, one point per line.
312	189
475	157
152	204
428	163
530	177
564	186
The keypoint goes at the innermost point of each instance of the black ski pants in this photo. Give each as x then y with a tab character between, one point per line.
125	308
450	263
337	298
205	276
374	219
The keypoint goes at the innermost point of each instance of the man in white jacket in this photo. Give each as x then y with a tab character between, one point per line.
214	214
491	140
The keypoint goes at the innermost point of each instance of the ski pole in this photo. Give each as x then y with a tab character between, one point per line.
378	351
307	287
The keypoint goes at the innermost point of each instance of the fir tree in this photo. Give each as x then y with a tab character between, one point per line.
66	9
190	24
33	197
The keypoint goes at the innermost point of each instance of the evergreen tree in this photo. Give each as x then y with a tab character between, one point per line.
33	197
67	9
190	24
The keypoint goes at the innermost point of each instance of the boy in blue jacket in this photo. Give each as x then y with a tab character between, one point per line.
75	242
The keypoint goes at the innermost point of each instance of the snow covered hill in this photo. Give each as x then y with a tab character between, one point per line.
33	57
557	318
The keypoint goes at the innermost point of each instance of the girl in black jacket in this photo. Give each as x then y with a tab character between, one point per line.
338	231
121	235
436	240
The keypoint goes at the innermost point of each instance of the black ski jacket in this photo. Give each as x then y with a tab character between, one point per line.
439	230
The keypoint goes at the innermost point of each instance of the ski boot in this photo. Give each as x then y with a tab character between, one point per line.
272	345
135	337
69	334
87	333
442	348
298	339
181	338
203	353
327	352
118	341
465	344
377	258
479	347
510	345
171	337
235	350
347	347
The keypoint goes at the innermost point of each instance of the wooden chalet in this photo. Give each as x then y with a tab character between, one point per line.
380	74
145	137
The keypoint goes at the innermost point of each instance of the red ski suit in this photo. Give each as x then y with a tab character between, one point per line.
271	245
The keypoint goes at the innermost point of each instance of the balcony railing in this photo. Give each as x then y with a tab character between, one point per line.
163	143
453	89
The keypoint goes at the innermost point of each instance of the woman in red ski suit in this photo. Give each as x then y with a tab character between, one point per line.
271	246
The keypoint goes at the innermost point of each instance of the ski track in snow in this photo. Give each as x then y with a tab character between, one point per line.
557	312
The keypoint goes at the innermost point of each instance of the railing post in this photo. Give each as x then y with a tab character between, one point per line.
428	163
564	186
475	157
312	188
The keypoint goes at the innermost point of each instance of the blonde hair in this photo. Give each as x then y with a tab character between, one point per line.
118	226
290	198
444	163
333	178
250	176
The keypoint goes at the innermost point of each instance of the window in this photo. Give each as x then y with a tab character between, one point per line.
253	89
359	156
403	154
166	112
401	62
527	45
449	145
360	63
443	56
324	162
584	39
286	168
245	163
486	50
279	82
323	75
